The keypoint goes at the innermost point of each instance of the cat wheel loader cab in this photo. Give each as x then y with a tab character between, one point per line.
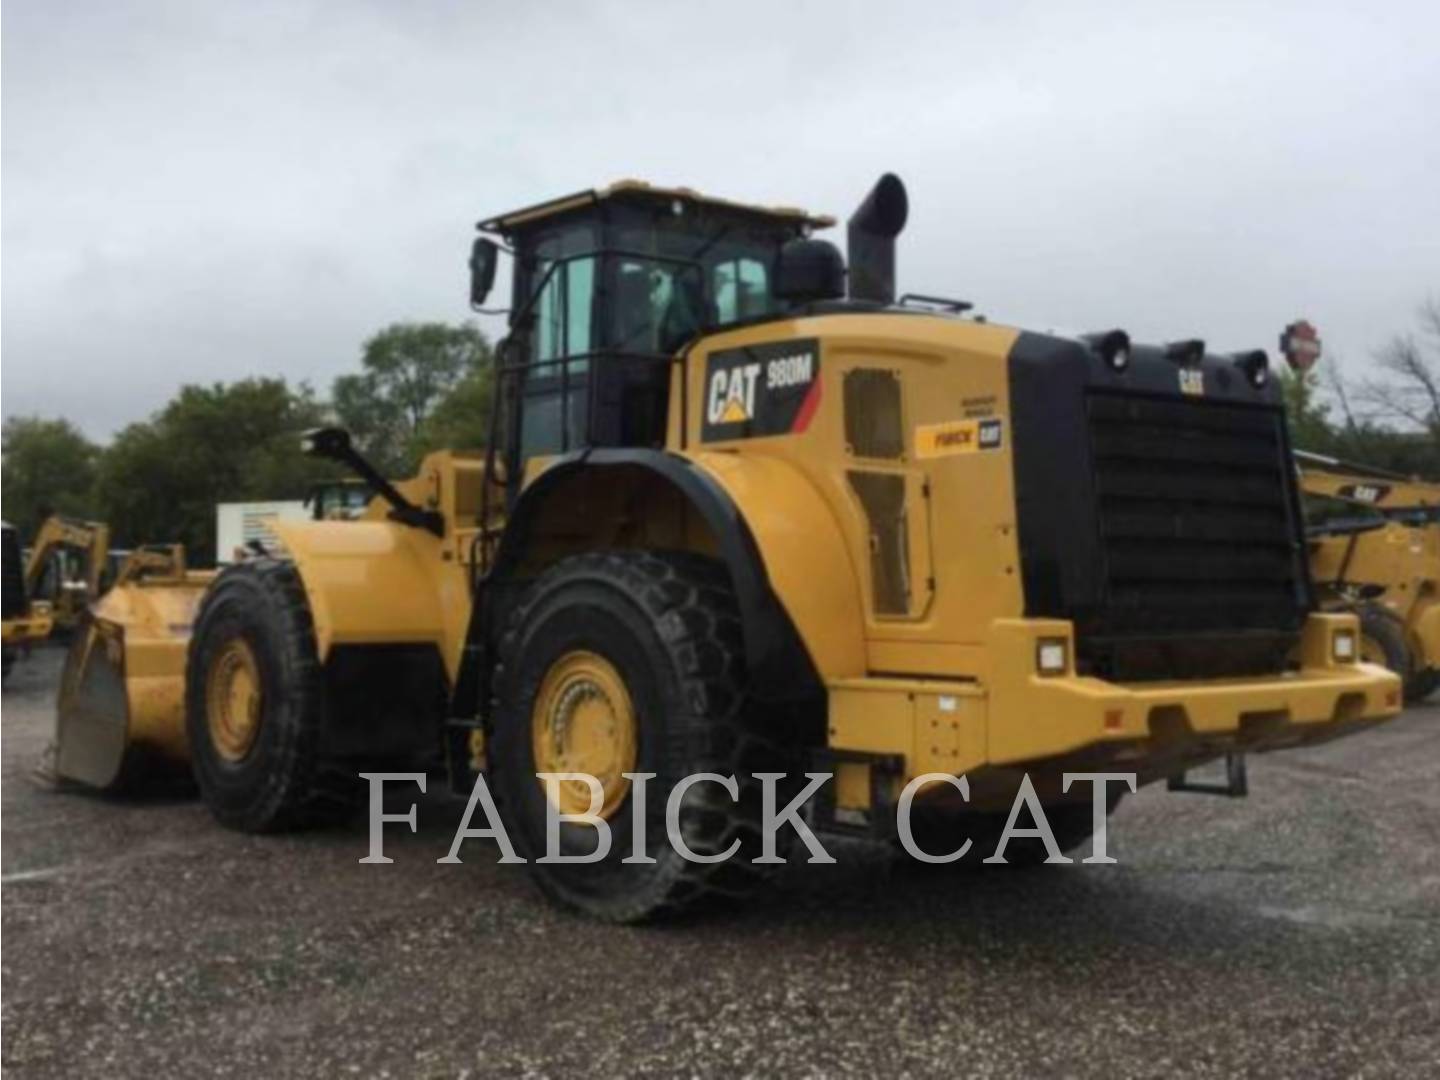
1378	555
745	513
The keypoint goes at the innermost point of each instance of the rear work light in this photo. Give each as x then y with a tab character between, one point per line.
1342	646
1052	656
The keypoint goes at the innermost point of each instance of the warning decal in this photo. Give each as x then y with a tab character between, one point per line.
959	437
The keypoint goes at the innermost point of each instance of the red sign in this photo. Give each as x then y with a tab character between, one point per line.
1301	345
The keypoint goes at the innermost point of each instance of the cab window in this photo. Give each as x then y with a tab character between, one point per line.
554	385
741	287
659	304
563	312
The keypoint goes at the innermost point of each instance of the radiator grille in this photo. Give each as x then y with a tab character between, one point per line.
1197	538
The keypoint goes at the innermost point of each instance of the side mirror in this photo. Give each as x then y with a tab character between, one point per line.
809	270
329	442
484	256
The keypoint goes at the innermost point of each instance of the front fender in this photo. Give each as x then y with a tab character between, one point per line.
379	583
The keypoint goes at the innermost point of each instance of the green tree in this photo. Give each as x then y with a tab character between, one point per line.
461	420
49	467
1388	420
160	480
1310	427
408	371
1407	391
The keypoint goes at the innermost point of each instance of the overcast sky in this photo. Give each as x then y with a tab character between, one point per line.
204	191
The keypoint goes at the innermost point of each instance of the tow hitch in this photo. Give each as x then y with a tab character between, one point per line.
1235	785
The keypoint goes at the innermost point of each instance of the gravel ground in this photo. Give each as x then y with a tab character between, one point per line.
1295	933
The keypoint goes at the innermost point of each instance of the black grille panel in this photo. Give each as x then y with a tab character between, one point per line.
1201	569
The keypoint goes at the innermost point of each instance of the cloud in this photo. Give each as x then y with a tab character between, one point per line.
198	192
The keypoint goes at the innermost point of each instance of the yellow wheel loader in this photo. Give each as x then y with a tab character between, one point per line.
746	513
25	620
1381	560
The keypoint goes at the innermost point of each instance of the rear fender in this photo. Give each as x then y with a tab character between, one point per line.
793	580
1425	633
805	558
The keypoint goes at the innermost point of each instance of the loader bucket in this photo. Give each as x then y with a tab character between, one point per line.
120	718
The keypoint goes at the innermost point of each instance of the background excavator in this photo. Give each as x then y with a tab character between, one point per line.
68	564
748	511
1375	551
26	620
49	586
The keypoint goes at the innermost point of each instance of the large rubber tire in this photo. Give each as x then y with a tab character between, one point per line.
1421	685
281	782
1383	634
1072	824
667	623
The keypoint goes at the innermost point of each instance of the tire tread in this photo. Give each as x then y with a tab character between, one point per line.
301	788
690	603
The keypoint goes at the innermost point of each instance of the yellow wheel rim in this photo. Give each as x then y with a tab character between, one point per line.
584	722
232	701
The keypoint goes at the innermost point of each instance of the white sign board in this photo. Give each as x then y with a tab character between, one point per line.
237	524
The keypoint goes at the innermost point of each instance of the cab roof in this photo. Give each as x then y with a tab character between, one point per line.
531	215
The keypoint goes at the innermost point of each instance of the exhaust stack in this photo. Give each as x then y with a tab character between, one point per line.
872	230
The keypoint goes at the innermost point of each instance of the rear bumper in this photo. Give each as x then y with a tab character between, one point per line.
1035	716
1017	720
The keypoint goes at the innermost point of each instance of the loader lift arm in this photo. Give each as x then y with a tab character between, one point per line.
334	444
1391	494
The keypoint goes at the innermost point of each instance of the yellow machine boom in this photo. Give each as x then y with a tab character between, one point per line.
1390	493
1381	562
57	540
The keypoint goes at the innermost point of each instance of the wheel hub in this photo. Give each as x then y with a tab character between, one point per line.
584	722
233	700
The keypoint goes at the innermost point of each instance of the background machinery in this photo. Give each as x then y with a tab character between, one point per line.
743	512
339	500
25	620
247	527
69	565
1375	550
240	526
